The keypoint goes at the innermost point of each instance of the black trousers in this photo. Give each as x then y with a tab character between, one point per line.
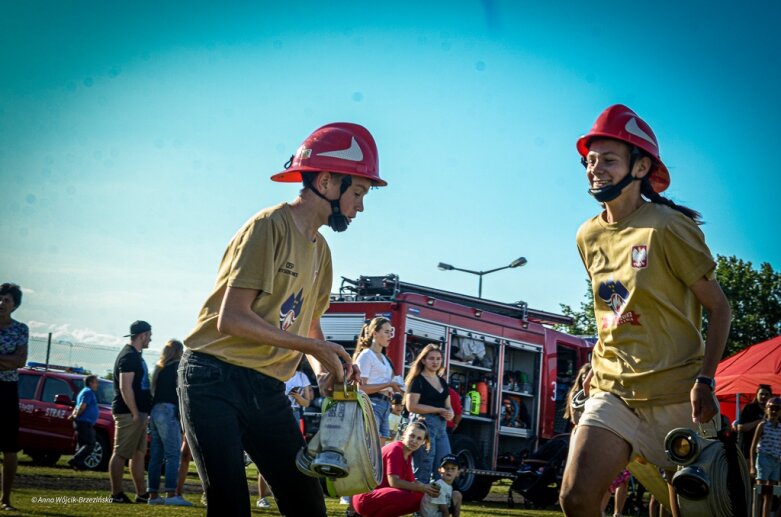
228	409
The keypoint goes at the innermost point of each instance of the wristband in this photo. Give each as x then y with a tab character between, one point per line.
709	381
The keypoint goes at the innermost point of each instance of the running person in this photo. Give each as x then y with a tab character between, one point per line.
651	274
272	287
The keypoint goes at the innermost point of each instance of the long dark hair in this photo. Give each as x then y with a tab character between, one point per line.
649	193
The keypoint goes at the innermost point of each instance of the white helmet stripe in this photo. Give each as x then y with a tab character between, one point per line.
352	153
633	128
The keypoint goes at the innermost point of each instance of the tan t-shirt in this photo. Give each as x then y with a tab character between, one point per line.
650	348
293	276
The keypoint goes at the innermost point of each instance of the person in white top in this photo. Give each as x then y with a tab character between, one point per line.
377	377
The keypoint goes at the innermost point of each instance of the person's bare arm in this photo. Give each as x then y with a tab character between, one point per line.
15	360
126	389
754	443
413	486
237	318
713	300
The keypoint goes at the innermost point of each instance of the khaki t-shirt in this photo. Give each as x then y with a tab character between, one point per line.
650	348
293	278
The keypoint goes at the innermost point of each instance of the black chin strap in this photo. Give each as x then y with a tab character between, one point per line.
609	193
337	220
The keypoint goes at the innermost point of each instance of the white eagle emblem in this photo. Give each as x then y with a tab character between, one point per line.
639	257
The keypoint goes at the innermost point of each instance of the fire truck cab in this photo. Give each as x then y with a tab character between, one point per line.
521	368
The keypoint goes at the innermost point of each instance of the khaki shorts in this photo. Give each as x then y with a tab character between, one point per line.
129	437
644	428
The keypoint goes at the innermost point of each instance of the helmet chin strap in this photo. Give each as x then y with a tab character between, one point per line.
609	193
337	220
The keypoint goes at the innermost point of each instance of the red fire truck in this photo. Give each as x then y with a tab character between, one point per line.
521	367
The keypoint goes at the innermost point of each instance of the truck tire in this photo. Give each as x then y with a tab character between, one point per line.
44	458
472	486
101	454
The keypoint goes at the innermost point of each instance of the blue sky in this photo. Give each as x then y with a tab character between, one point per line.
135	139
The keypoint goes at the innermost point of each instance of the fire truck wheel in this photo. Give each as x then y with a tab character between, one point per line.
472	486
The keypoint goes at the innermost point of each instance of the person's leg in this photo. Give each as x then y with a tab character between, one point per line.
457	499
137	472
595	457
387	502
85	439
123	450
155	454
212	399
9	472
620	501
184	465
440	445
605	500
272	439
171	438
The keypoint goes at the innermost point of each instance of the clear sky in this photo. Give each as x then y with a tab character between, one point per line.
137	137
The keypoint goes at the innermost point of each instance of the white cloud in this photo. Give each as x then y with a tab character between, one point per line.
64	332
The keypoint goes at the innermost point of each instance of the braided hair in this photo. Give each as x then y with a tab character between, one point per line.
654	197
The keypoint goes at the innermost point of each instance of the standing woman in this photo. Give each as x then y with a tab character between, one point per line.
165	428
377	371
428	397
13	354
651	275
398	493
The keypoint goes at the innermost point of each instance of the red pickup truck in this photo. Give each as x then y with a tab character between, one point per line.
46	398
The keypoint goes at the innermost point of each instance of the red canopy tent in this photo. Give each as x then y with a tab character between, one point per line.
738	376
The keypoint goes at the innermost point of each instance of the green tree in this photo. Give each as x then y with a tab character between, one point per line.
754	296
583	322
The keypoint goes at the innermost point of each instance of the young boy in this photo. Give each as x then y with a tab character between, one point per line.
394	419
448	502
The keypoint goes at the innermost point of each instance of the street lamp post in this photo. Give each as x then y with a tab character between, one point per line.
520	261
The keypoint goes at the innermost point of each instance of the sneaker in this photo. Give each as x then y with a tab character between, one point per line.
142	498
263	503
345	499
177	500
156	500
120	498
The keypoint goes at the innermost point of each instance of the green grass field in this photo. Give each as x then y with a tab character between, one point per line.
59	490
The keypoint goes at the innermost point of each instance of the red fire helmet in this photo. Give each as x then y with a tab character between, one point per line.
340	147
621	123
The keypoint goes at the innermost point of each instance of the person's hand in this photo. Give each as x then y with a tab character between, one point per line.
396	387
136	418
447	414
704	405
752	471
587	382
431	490
330	356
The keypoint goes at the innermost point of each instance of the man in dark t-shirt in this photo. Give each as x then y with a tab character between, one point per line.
132	402
750	416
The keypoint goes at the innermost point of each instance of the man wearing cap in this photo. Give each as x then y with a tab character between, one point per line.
263	314
132	402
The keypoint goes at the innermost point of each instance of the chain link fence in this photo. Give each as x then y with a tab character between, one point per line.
91	358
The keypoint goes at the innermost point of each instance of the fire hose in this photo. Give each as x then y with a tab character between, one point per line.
346	450
712	478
